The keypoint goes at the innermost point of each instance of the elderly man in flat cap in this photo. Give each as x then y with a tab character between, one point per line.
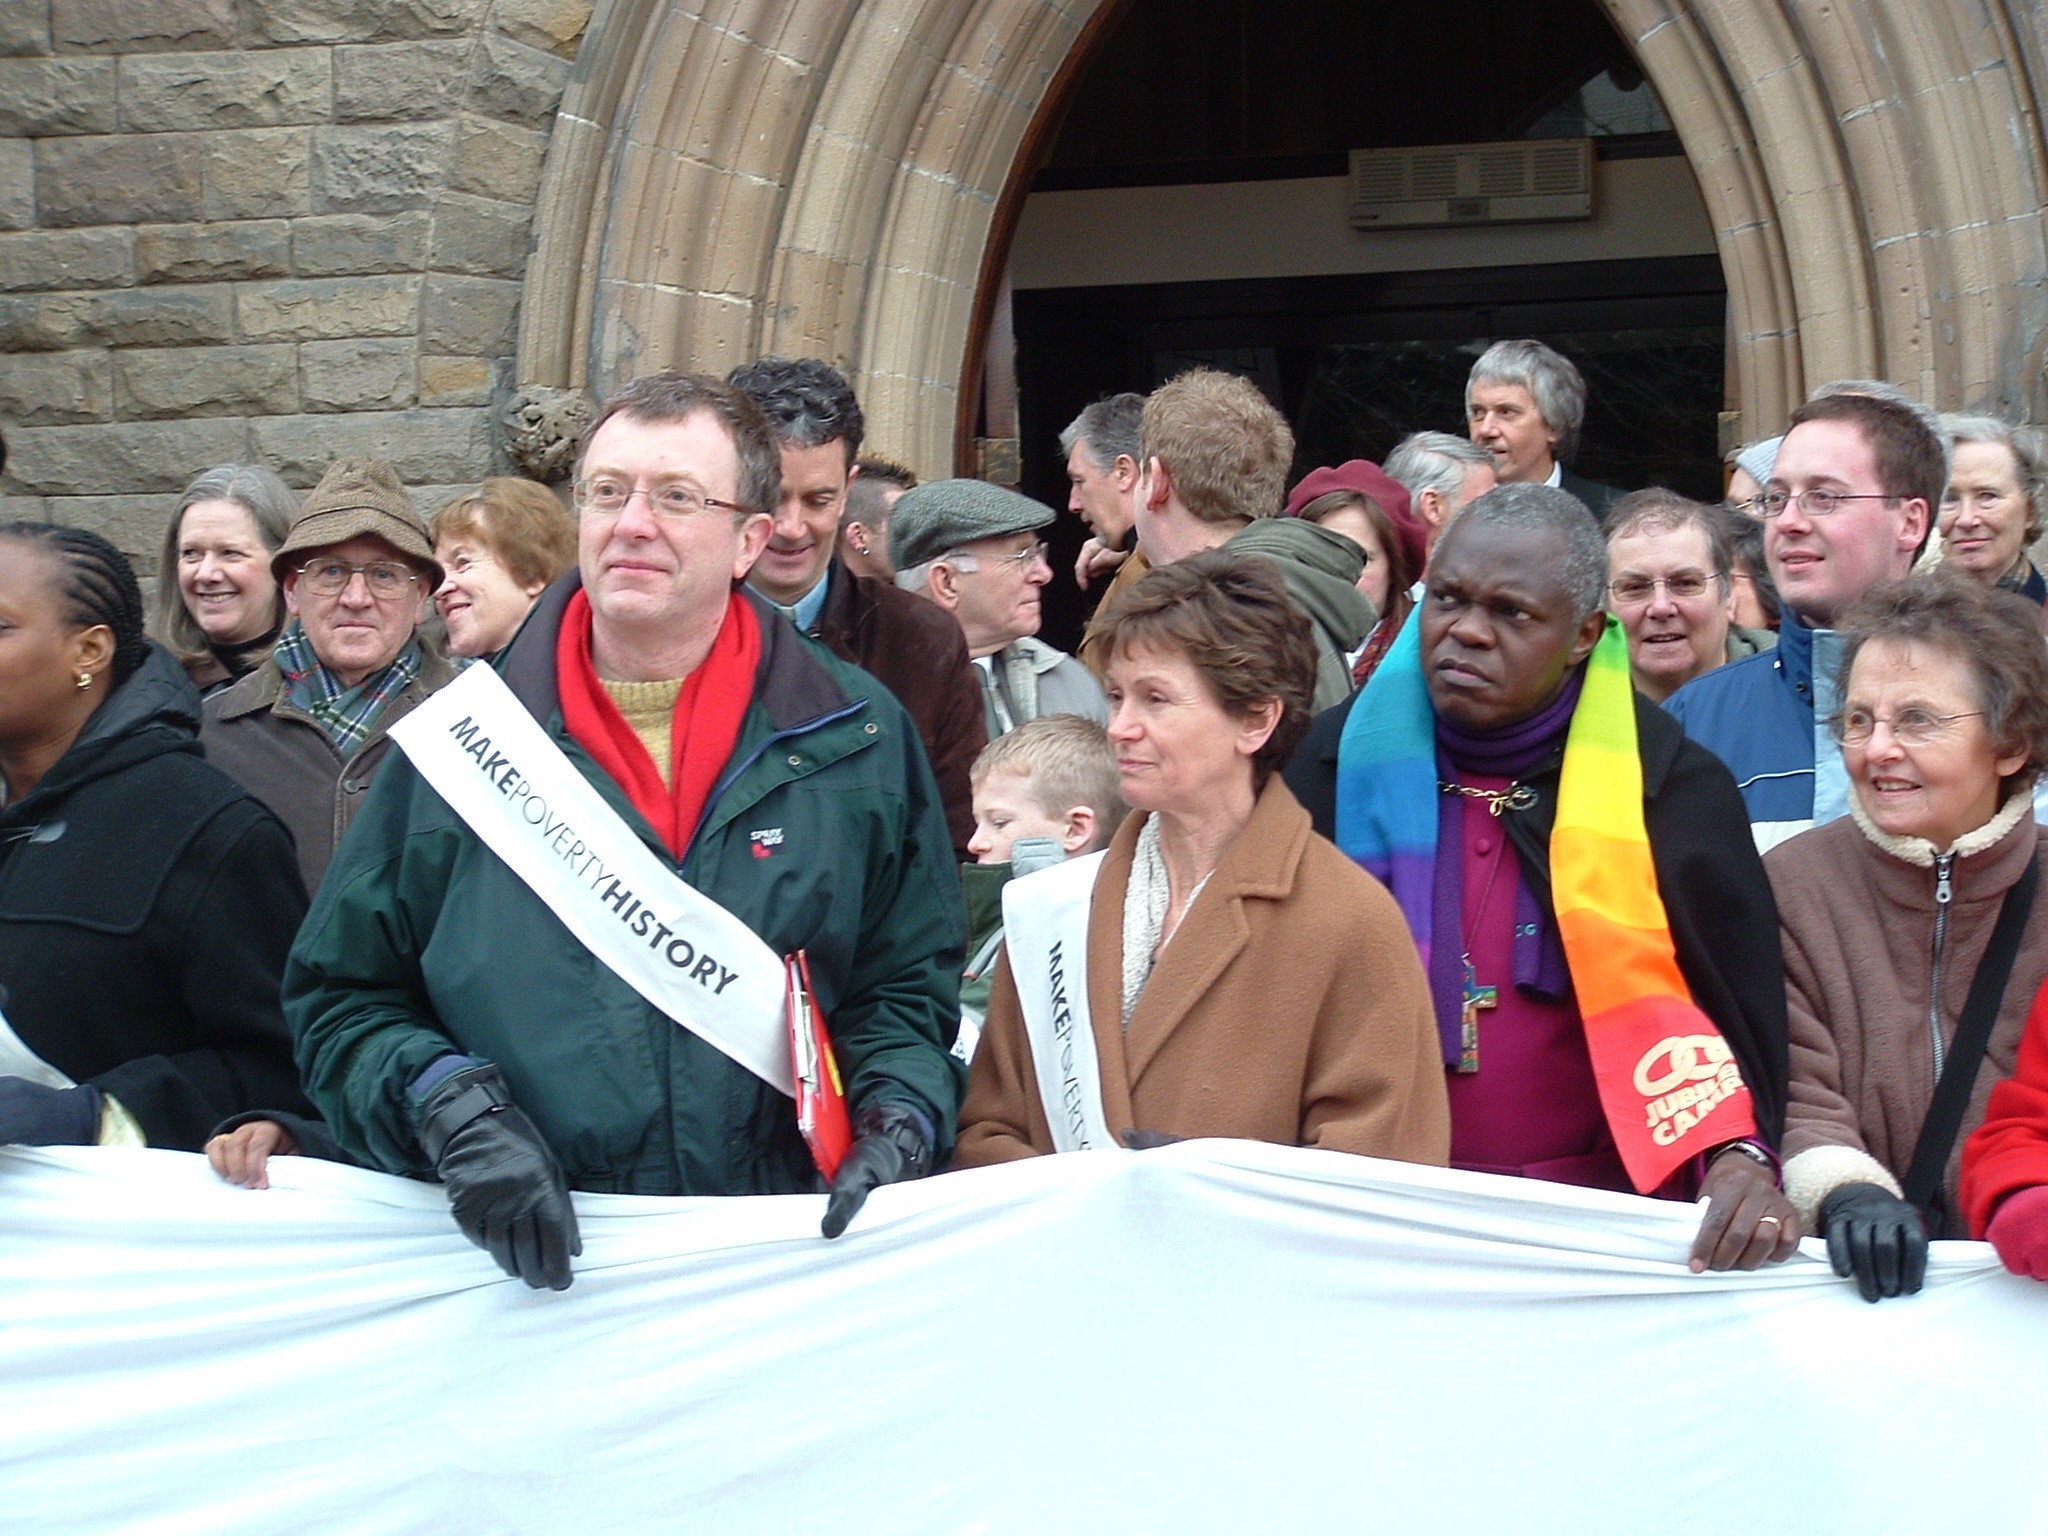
973	548
305	731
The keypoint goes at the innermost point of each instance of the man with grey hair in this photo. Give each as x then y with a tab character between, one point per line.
1525	404
1442	473
1101	448
973	549
1473	716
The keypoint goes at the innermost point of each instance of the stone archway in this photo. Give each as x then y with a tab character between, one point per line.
775	175
784	176
1875	177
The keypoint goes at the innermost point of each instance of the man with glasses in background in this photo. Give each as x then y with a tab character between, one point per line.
555	951
1847	508
973	549
306	731
1670	581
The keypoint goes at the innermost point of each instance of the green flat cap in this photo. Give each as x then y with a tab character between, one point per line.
941	515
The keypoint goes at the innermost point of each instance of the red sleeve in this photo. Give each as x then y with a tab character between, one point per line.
2009	1151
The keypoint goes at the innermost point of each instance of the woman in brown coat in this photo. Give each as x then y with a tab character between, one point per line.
1886	913
1241	977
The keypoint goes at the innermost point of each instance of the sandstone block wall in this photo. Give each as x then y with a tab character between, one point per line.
270	230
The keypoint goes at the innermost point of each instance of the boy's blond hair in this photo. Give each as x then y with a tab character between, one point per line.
1068	761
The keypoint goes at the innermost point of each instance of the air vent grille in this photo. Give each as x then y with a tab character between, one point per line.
1520	182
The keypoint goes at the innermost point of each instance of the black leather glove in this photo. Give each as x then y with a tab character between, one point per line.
32	1115
504	1184
1877	1237
890	1144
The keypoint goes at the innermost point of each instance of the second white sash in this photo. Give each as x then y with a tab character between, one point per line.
1045	928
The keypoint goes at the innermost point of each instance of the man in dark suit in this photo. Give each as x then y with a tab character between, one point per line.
1524	404
913	647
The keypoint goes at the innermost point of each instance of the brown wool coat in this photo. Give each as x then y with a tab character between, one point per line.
1857	924
1289	1007
253	734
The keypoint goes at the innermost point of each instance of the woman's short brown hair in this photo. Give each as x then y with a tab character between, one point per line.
1230	615
531	533
1996	635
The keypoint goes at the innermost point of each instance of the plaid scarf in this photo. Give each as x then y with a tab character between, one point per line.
347	717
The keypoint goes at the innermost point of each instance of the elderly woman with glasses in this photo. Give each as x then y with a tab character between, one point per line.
1886	915
1670	580
305	731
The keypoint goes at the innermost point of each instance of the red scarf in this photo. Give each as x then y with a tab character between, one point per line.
709	710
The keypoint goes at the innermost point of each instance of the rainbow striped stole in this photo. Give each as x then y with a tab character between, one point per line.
1668	1082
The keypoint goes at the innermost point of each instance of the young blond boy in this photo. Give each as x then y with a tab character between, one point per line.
1043	792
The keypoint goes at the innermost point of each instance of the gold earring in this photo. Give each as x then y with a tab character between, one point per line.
84	680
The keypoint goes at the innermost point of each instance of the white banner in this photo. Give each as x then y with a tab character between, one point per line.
1216	1336
484	754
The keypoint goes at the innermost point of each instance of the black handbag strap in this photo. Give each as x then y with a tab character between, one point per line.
1926	1174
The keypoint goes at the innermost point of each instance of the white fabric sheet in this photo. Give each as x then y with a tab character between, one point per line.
1217	1336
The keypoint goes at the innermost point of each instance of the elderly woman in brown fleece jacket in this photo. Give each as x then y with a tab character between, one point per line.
1886	914
1221	970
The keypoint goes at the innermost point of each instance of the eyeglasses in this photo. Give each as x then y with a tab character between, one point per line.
1909	727
673	498
1024	559
386	579
1686	585
1817	502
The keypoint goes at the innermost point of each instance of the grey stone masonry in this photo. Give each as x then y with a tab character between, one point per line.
272	231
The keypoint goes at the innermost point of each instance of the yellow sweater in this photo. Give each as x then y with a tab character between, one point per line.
650	708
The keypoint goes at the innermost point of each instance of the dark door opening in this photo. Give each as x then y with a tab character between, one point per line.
1356	362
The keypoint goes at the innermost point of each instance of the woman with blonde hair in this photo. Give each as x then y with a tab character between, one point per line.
218	607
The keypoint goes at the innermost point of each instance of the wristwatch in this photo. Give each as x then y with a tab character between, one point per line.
1755	1151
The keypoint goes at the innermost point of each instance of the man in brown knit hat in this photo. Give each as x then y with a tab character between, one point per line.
305	731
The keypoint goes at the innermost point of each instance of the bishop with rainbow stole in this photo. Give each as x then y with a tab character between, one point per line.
1598	932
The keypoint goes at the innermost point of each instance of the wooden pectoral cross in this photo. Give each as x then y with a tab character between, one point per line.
1476	998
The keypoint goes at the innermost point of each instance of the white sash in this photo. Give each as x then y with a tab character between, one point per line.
485	754
1045	926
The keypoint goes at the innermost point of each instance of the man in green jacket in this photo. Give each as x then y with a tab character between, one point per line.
448	1019
1213	456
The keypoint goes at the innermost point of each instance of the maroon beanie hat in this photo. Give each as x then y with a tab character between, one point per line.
1367	479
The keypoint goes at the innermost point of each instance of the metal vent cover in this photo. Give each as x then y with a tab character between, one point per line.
1519	182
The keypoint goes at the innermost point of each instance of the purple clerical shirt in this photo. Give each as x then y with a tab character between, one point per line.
1532	1108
